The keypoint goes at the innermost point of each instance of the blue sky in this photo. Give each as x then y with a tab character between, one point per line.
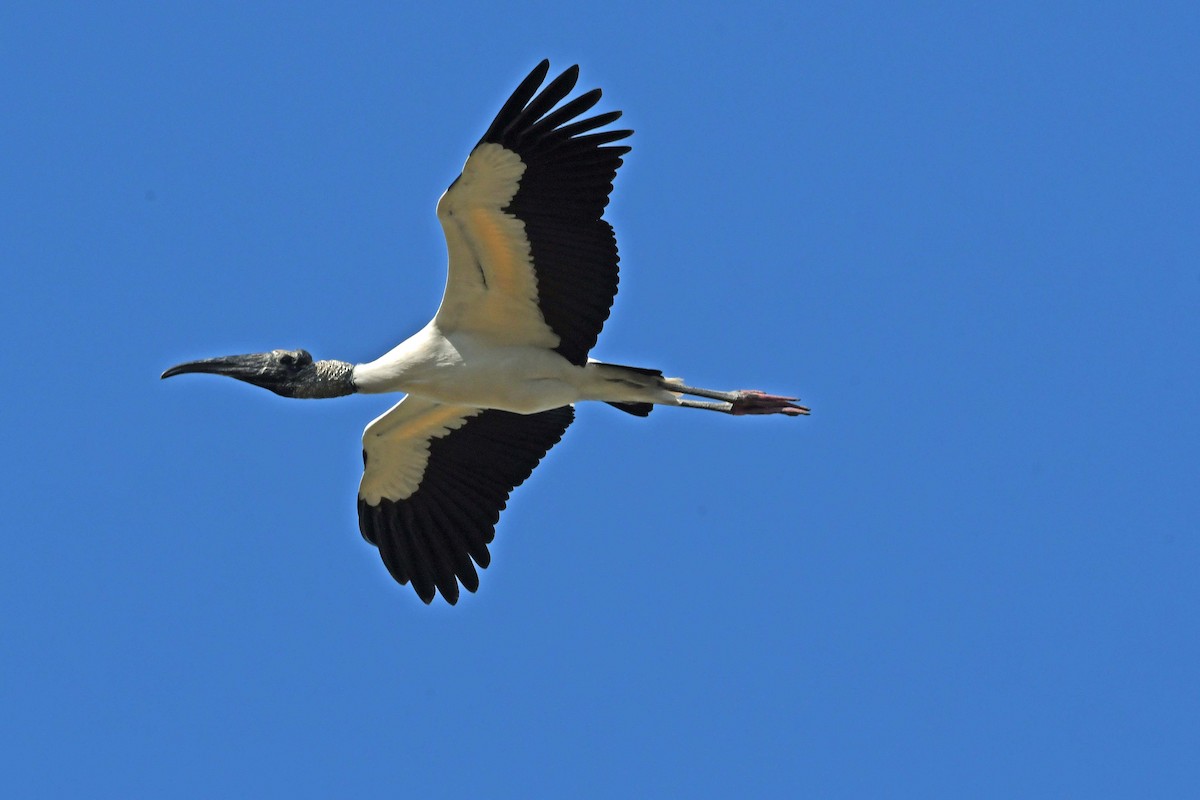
968	238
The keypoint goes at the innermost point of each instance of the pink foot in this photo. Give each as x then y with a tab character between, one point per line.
752	401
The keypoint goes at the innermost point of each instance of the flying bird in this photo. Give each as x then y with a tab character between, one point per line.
489	383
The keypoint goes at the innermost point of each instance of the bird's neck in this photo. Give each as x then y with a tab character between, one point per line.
328	379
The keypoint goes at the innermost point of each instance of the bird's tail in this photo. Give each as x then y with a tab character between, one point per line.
639	377
637	409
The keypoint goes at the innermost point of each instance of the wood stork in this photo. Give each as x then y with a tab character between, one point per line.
491	380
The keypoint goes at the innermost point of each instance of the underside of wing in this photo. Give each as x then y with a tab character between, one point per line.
532	262
435	480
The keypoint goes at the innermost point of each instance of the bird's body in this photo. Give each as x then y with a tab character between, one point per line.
467	369
491	381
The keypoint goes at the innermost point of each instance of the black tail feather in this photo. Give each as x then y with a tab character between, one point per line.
637	409
640	370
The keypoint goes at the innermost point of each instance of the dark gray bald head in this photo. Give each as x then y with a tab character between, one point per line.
288	373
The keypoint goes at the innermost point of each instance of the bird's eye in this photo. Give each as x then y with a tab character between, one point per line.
295	358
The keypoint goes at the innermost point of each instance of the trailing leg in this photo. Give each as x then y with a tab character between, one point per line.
636	390
744	401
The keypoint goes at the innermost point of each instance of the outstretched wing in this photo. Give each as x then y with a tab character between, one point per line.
435	480
531	260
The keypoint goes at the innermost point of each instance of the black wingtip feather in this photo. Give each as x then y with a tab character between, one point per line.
523	93
420	563
441	563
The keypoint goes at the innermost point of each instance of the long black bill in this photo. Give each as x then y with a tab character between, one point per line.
244	368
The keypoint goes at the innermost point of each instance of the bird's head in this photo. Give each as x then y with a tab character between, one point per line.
288	373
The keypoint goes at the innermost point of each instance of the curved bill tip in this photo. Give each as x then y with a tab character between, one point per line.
180	369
